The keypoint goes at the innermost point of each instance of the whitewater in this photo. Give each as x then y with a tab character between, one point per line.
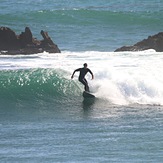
122	78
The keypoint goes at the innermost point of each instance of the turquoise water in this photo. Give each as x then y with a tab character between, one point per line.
43	116
86	25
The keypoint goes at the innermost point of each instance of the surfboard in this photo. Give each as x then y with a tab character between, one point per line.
88	95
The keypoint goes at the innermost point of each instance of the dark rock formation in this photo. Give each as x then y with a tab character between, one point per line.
10	43
152	42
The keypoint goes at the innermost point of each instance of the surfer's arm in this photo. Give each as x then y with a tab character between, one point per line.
91	74
74	73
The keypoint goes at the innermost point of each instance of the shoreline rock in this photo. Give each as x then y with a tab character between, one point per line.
13	44
152	42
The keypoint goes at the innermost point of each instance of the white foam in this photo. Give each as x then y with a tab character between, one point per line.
126	78
122	78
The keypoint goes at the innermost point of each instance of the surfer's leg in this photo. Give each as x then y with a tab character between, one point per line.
85	83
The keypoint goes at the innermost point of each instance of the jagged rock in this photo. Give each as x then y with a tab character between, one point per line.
10	43
152	42
47	43
25	38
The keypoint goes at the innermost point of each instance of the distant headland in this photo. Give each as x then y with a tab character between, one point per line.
13	44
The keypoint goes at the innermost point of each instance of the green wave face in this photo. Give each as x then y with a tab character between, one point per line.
36	83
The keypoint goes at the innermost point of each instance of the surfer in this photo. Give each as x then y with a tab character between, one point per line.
83	71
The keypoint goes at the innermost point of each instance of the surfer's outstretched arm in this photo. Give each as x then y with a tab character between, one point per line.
74	73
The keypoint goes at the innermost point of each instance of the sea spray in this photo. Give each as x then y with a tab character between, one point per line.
121	78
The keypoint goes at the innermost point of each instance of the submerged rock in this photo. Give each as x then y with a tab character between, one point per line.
152	42
10	43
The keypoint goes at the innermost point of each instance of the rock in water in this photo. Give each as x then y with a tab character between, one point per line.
152	42
10	43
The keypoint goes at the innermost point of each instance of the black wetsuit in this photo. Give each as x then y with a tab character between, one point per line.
83	72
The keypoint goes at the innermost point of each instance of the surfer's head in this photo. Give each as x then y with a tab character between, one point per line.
85	65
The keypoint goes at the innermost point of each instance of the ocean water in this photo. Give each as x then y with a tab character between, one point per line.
43	116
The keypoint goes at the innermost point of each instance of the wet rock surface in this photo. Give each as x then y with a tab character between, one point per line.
152	42
25	43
